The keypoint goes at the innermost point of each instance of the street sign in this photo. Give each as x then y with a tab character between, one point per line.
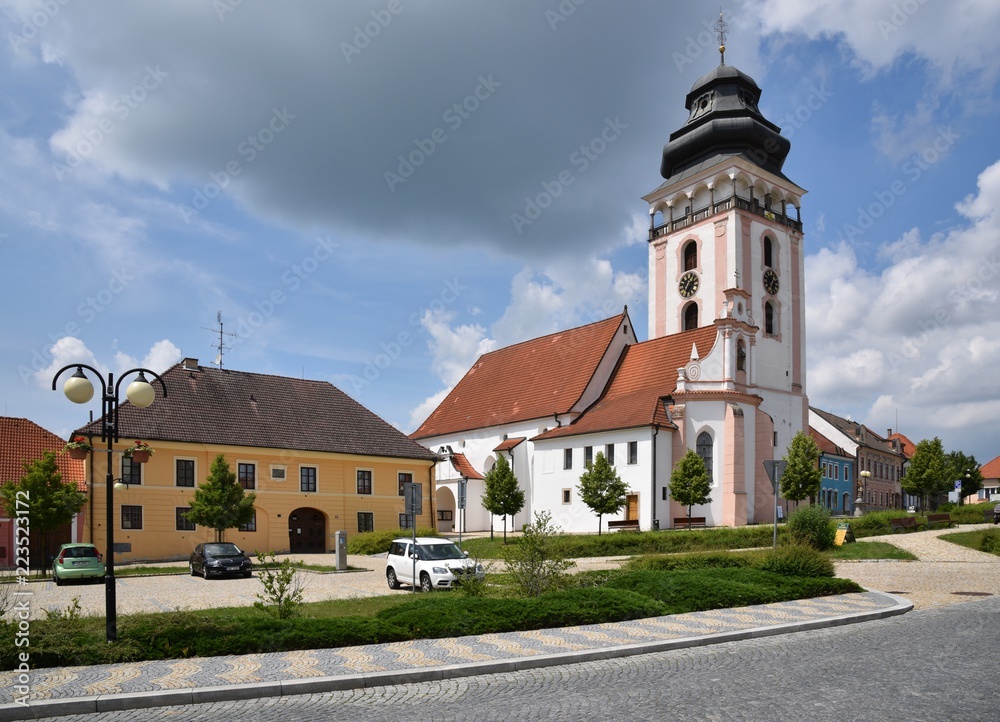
958	485
775	468
462	486
414	494
844	534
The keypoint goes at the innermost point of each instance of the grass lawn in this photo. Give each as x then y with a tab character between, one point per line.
869	550
983	540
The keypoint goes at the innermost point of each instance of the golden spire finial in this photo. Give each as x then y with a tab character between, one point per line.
721	28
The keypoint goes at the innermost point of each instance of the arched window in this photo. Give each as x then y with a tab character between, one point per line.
768	252
691	256
741	356
769	319
691	317
704	449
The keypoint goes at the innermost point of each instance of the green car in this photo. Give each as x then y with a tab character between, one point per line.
77	561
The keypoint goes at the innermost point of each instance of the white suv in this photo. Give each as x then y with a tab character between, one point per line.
439	563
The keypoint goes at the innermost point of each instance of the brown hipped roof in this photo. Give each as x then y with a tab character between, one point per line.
646	373
530	380
22	440
206	405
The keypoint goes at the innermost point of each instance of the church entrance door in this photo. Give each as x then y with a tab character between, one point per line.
632	507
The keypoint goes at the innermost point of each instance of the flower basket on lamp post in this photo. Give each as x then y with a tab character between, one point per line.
139	452
78	448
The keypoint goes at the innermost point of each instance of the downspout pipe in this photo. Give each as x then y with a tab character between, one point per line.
652	480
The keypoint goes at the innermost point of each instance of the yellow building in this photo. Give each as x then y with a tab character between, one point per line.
318	461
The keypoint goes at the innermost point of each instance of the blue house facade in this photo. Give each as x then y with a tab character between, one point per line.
839	481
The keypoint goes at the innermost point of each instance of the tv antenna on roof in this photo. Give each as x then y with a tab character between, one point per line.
222	348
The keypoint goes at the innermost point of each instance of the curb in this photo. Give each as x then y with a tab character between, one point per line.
257	690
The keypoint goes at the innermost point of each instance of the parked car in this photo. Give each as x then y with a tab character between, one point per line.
77	561
439	563
217	559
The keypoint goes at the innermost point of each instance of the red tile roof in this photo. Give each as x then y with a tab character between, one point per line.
22	440
508	444
464	467
205	405
991	469
909	448
825	445
530	380
647	372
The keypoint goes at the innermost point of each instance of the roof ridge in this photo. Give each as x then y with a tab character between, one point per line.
555	333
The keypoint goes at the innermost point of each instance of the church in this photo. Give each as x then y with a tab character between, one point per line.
723	371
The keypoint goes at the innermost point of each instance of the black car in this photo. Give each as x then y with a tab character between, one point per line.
218	559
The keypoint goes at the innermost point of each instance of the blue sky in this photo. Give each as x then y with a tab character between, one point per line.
349	183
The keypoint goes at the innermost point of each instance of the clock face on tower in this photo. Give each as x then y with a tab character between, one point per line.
771	281
688	285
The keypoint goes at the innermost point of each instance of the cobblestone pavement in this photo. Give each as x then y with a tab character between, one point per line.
945	574
109	687
876	672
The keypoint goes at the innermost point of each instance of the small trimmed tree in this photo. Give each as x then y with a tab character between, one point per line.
221	503
928	474
534	562
802	476
601	489
503	496
49	502
689	482
966	469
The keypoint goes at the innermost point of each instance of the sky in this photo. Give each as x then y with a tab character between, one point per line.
376	193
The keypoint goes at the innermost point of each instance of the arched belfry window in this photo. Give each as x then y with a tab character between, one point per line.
704	449
769	319
691	317
691	256
768	252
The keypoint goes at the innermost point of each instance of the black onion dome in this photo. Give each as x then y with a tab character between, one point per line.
724	120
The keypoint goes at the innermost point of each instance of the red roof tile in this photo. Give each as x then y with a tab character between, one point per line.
510	443
464	467
646	372
909	448
825	445
206	405
530	380
22	440
991	469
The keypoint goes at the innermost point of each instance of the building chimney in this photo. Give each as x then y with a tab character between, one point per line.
888	433
191	364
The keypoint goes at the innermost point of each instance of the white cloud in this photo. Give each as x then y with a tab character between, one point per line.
65	351
921	332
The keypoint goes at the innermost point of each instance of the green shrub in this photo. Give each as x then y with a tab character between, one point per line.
796	560
990	541
446	615
696	560
874	523
378	542
811	525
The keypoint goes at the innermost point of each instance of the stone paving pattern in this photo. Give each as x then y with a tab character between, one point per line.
944	569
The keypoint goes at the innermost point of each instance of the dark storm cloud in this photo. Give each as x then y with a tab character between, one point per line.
512	125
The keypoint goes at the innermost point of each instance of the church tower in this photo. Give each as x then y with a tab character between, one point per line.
725	245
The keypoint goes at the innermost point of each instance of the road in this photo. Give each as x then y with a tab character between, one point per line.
932	664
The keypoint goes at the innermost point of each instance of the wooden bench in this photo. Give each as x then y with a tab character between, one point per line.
626	525
682	521
904	523
939	519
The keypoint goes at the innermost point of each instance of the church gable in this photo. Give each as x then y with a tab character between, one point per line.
541	378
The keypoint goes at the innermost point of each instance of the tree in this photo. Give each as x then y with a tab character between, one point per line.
503	496
43	499
928	474
966	469
602	489
689	482
802	476
534	563
221	503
